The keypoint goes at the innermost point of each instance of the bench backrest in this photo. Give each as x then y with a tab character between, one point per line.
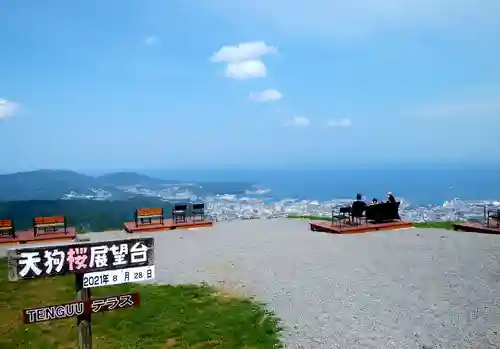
198	207
494	213
149	212
345	209
375	212
383	211
40	222
392	210
6	223
180	207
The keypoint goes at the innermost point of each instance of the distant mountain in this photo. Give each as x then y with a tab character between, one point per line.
43	184
59	184
53	184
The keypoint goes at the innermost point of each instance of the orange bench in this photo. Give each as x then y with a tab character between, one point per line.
148	215
7	225
49	223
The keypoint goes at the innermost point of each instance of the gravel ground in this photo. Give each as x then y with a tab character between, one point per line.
411	288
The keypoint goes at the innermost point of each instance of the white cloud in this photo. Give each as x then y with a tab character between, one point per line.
341	18
339	123
245	51
299	121
265	96
151	40
246	70
244	60
7	108
473	108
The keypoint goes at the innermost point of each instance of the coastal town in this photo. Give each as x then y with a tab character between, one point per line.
259	203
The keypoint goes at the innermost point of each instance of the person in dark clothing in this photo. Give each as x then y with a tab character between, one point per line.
361	198
357	208
391	198
374	201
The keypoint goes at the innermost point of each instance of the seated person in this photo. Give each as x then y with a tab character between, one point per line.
391	198
374	201
362	199
358	207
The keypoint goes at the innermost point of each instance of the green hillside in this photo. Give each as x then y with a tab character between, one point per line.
89	215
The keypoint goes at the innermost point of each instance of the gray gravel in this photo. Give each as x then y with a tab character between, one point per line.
411	288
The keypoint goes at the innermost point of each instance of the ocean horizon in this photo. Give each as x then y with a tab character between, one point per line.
423	186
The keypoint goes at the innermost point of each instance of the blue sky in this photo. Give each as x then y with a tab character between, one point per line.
172	84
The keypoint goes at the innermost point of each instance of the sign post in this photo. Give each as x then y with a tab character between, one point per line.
83	321
94	264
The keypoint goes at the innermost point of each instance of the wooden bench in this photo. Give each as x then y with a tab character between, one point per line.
198	209
179	212
7	227
49	223
383	212
148	215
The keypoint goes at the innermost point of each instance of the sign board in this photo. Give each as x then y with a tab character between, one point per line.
77	308
94	264
118	276
79	258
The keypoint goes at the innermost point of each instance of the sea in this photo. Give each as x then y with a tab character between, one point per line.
425	185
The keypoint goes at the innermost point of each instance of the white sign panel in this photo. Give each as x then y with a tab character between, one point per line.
82	258
118	276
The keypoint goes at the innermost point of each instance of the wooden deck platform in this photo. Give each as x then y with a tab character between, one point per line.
168	224
336	228
477	227
28	236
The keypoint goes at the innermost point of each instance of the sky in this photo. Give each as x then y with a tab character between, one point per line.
175	84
